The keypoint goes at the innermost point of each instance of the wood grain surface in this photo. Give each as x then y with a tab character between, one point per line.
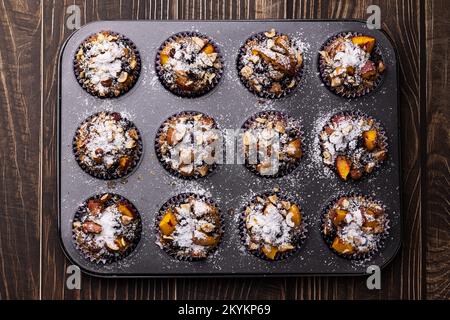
32	264
438	150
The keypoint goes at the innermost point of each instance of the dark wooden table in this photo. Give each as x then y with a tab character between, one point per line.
33	266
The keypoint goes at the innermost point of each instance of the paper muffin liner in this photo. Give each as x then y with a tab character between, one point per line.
177	91
174	201
382	137
363	257
211	168
265	95
375	56
135	73
137	154
299	239
111	257
289	167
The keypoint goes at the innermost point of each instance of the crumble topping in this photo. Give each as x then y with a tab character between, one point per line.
355	225
189	144
107	64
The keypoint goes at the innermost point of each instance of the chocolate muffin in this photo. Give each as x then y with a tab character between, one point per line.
106	228
107	64
107	145
189	64
189	227
353	145
272	143
351	64
354	226
272	226
270	64
188	145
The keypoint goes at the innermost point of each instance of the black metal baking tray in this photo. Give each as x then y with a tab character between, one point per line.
148	104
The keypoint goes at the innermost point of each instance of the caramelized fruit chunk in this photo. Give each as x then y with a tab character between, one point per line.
208	49
124	162
278	61
294	149
183	81
121	242
92	227
371	224
95	206
342	247
125	209
296	216
355	173
168	223
171	136
205	240
368	70
270	251
164	56
365	42
339	216
370	139
343	165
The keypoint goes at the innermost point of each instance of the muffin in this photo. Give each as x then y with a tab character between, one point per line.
351	64
353	145
189	227
269	64
106	228
107	64
188	145
189	64
107	145
272	226
354	226
272	144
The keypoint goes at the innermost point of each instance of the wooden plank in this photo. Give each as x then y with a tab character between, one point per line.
438	150
401	279
19	149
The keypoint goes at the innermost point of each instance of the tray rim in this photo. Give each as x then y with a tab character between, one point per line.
398	242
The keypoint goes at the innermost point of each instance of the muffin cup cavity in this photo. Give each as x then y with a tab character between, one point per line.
375	56
174	88
177	252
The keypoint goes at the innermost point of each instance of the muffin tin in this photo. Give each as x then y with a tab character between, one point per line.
231	186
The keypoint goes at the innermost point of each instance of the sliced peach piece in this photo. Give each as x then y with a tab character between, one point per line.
164	56
370	139
270	252
125	209
339	216
168	223
296	215
365	42
208	48
341	246
343	165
